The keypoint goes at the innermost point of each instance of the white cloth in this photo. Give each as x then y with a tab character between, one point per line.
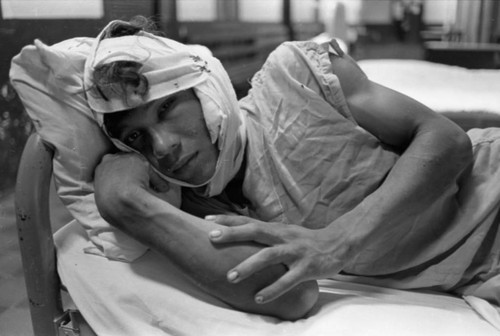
49	82
151	297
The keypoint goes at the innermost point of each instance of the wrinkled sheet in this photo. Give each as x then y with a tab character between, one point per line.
150	297
309	163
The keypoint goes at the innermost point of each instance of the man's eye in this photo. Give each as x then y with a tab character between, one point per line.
131	138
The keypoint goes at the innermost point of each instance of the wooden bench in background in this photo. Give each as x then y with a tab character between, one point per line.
242	47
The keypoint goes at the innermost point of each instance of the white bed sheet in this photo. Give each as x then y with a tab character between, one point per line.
443	88
150	297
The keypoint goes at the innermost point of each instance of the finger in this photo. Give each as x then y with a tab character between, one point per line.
228	220
255	263
233	234
256	232
285	283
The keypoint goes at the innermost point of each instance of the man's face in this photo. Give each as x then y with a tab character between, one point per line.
172	134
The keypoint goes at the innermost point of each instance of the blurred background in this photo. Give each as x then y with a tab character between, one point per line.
241	33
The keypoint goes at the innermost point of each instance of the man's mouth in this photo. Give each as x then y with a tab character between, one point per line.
182	162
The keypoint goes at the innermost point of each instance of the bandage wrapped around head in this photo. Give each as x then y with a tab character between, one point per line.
171	67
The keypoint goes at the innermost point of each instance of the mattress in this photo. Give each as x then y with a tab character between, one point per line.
467	96
151	297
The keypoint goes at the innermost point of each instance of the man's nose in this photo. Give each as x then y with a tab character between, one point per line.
163	143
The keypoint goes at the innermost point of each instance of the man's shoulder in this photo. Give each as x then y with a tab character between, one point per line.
288	53
292	61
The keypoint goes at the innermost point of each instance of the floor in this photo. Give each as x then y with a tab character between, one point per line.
14	310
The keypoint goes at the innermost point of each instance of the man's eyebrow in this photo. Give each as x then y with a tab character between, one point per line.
121	128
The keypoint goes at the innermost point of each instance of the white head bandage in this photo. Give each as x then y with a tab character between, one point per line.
170	67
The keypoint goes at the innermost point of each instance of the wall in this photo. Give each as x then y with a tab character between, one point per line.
196	10
52	9
304	10
440	11
352	8
379	11
261	10
375	12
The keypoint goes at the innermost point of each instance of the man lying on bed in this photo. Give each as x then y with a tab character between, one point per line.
328	173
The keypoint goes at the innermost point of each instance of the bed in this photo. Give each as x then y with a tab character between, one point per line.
144	299
141	298
470	97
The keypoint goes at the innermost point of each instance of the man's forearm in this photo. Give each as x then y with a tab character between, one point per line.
423	180
183	239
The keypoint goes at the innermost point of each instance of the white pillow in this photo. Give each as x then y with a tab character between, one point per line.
49	82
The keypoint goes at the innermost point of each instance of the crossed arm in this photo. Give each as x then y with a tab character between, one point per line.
125	199
435	153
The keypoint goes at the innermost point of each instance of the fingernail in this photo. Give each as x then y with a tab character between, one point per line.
259	299
210	217
215	233
232	276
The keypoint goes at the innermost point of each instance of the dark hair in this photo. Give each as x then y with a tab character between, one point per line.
117	78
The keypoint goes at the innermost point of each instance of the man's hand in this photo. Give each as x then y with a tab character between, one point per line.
308	254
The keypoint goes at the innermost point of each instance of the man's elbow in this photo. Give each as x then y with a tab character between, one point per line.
121	205
453	145
462	149
298	302
291	306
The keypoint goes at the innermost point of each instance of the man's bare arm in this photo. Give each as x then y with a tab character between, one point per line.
434	154
124	199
